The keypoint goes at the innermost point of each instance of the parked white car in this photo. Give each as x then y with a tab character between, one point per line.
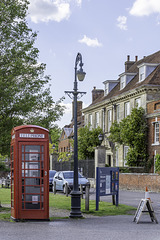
66	177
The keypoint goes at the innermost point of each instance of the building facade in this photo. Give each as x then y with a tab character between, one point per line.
68	130
138	85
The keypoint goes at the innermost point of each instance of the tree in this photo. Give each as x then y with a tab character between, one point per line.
87	141
157	163
132	131
55	134
25	96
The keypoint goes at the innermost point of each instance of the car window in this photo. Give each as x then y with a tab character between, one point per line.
68	175
61	175
56	175
80	176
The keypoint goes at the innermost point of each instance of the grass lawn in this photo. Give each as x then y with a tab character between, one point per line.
60	201
105	209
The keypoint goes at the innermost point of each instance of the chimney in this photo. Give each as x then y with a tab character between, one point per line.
79	109
96	93
128	63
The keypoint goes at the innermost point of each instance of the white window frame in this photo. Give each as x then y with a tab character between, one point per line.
142	73
103	120
109	119
90	121
106	88
156	133
122	82
126	109
138	102
96	119
125	151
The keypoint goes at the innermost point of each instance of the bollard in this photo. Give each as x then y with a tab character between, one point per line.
54	187
87	199
113	200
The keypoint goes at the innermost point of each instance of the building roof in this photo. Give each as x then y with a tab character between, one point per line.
152	80
68	131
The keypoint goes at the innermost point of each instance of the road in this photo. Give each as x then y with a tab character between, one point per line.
132	198
107	228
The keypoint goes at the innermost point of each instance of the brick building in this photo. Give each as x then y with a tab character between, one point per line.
138	85
68	130
153	118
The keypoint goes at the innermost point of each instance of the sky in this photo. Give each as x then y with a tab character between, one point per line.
103	31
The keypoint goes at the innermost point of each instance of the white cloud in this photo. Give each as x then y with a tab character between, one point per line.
145	7
90	42
79	2
49	10
122	22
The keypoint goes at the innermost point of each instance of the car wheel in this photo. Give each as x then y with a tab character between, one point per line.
64	189
54	190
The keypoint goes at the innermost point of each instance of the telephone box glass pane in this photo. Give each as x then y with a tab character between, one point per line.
32	148
22	148
33	189
32	157
32	198
32	165
32	181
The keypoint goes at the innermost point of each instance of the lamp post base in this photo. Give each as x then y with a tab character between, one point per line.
75	205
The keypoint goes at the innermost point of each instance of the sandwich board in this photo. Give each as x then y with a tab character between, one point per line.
145	204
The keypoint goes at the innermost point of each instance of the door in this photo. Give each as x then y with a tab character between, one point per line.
33	181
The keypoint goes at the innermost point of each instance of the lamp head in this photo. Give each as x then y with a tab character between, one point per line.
100	137
81	74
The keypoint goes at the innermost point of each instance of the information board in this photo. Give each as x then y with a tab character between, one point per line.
145	204
107	183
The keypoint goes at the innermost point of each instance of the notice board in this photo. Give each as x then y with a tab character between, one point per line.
107	183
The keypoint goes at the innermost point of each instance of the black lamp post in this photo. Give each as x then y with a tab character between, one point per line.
76	194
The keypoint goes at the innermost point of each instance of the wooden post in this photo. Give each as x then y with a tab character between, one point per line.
66	189
81	190
54	187
113	200
87	199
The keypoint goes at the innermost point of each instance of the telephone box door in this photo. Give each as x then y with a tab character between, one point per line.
33	180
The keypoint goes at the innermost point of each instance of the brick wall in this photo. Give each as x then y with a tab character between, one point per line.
137	181
153	115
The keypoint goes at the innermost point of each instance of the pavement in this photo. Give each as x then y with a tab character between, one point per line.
90	228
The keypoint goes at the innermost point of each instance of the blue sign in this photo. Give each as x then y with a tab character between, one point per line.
107	183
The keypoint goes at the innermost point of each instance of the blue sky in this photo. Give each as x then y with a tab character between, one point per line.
103	31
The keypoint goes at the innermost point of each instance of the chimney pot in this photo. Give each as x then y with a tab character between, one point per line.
136	58
128	58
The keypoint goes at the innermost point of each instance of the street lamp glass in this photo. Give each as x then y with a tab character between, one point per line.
100	137
81	74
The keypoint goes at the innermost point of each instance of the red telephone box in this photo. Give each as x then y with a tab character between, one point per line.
29	172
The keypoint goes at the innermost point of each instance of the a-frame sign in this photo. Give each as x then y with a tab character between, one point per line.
145	204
